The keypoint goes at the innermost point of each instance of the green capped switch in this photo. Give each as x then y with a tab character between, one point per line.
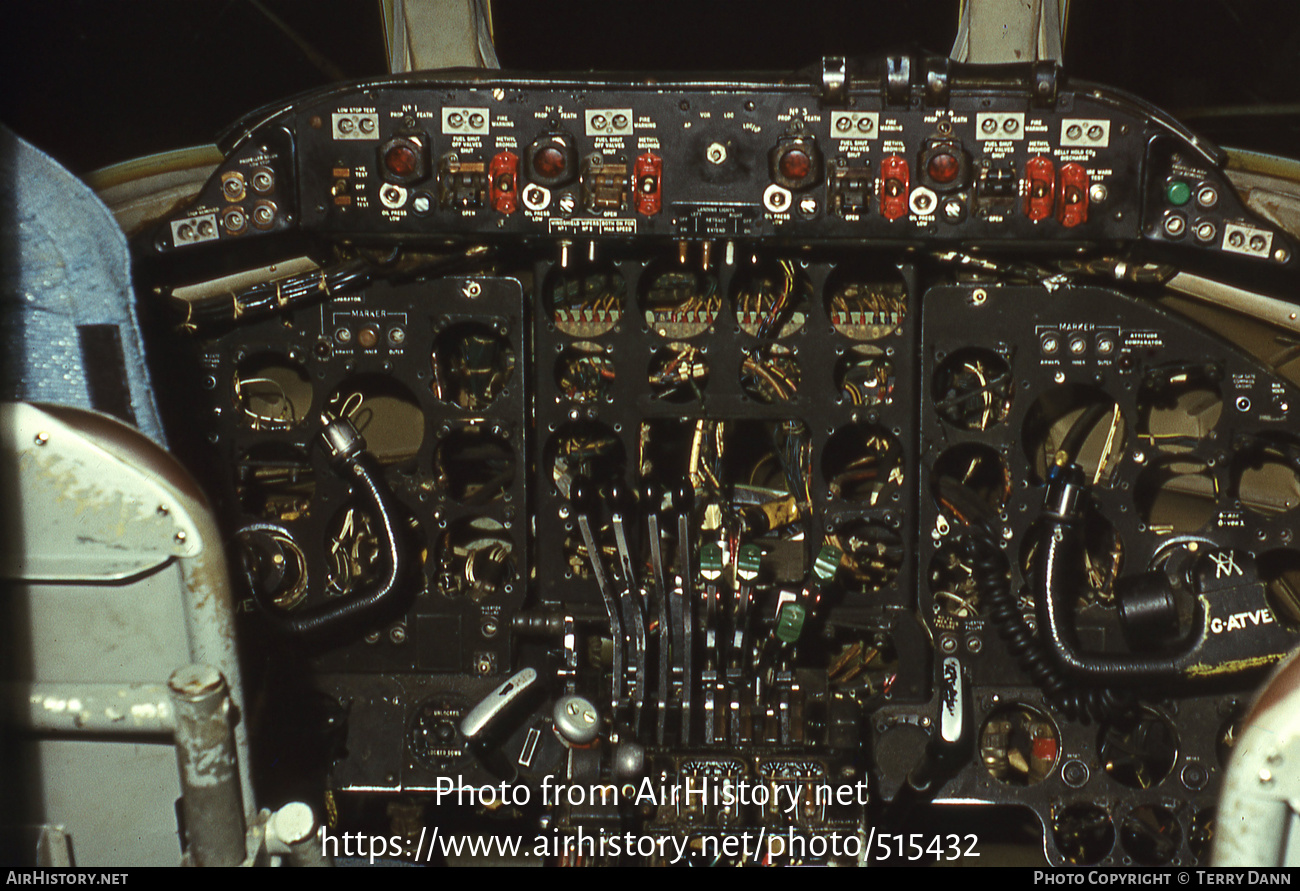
828	560
789	624
748	562
1178	192
711	561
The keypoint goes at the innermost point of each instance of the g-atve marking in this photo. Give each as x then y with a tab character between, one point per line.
1238	621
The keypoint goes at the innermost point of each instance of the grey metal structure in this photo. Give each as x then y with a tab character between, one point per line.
426	34
114	577
205	751
995	31
1259	808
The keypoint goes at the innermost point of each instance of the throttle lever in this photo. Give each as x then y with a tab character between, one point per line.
682	606
711	562
950	744
485	723
582	496
622	504
747	565
652	498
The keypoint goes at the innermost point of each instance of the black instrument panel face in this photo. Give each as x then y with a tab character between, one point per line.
732	428
988	166
739	164
912	429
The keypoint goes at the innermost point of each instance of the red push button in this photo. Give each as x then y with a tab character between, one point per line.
503	182
648	184
1040	188
895	183
1073	206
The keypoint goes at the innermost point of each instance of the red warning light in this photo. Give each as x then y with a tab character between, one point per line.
943	167
549	162
402	160
795	164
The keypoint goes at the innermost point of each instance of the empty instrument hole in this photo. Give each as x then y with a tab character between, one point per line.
770	298
1176	497
475	558
873	554
472	365
1139	753
1083	833
678	373
865	376
584	372
275	481
770	373
272	391
384	412
1178	406
585	448
971	483
1268	477
1081	424
862	462
972	389
1151	835
474	465
865	302
679	302
1019	745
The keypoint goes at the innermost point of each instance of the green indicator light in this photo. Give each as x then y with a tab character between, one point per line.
1178	193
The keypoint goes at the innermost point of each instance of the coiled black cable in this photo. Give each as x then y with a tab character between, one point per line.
989	573
1056	573
350	459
